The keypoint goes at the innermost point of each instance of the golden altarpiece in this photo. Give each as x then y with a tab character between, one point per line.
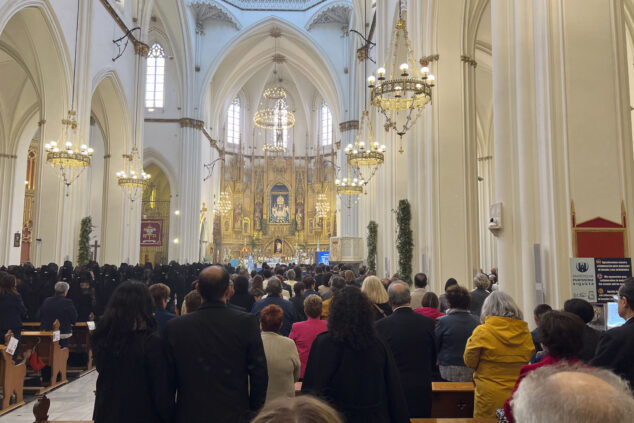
273	213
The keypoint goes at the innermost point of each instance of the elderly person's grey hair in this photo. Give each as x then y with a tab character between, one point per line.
399	294
572	393
500	304
274	286
61	288
481	281
290	275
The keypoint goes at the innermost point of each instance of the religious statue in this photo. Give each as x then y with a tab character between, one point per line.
277	246
258	215
280	212
299	215
237	216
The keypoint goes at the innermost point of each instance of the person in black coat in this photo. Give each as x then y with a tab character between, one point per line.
12	309
410	337
219	360
480	293
58	307
274	291
135	383
585	311
241	297
298	300
616	346
352	368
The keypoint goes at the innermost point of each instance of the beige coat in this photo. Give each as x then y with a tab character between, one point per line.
283	365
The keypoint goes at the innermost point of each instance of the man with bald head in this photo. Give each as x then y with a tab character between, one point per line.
572	394
218	357
411	338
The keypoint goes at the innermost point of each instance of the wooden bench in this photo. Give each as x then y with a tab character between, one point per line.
11	379
452	399
50	353
80	343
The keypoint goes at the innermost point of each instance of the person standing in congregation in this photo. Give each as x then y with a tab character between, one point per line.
585	312
616	346
373	288
135	382
410	337
282	360
58	307
452	333
218	355
480	293
12	308
160	297
352	368
304	333
497	350
420	283
274	290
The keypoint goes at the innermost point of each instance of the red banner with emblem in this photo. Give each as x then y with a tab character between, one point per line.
151	232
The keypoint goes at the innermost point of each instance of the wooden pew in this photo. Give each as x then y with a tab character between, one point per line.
80	343
50	353
452	399
11	379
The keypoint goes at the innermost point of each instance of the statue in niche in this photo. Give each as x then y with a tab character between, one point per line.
279	205
258	215
299	215
277	246
237	216
227	226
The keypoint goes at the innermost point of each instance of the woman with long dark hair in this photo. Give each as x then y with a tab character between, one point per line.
135	382
12	308
351	368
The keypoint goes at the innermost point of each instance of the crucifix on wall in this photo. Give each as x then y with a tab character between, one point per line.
94	248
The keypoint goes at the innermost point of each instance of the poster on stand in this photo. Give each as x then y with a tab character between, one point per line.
597	280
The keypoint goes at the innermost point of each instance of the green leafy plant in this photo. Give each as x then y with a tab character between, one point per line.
373	228
85	230
405	240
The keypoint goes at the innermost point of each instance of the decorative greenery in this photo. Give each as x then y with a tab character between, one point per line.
373	228
293	229
84	241
265	227
404	240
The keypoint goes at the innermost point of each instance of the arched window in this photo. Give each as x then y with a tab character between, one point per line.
326	124
233	122
155	78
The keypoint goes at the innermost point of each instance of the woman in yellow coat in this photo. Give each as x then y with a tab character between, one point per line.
497	350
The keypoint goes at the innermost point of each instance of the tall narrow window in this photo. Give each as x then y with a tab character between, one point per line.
155	78
233	122
326	124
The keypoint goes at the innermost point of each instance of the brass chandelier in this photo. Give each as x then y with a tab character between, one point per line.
350	185
322	207
402	95
68	158
223	207
133	178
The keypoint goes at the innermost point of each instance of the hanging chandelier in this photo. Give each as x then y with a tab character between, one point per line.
224	204
68	157
366	155
133	178
350	185
322	207
402	95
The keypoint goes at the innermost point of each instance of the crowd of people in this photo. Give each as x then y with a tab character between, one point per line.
187	343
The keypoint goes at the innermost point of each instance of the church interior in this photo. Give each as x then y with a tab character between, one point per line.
452	138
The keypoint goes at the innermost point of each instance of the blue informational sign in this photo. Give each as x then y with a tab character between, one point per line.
234	263
323	257
598	279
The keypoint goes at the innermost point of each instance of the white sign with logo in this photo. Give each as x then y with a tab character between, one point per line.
56	336
584	282
12	346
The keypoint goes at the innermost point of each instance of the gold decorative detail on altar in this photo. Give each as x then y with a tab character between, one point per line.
224	204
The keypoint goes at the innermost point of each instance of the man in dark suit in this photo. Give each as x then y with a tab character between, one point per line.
58	307
616	347
411	338
274	291
218	357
